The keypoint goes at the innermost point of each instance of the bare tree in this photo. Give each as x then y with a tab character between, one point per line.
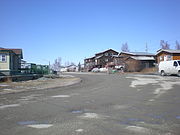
67	63
57	64
164	45
177	47
125	47
72	64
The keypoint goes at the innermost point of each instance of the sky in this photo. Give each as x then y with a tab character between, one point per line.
77	29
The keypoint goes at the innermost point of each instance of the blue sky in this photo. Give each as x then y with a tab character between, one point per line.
75	29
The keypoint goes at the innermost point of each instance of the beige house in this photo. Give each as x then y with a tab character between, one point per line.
10	61
167	54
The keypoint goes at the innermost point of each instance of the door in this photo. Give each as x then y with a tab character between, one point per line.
174	69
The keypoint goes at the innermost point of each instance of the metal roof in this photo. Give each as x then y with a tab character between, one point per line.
106	51
142	58
139	53
168	50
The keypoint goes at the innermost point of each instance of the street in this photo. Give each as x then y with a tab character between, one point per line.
102	104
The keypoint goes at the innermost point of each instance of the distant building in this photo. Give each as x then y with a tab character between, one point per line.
89	63
135	61
100	60
10	61
167	54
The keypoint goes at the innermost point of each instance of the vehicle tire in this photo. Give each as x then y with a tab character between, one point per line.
162	73
178	73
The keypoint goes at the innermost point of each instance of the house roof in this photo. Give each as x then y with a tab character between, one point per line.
139	53
106	51
90	58
115	55
142	58
98	57
168	50
16	51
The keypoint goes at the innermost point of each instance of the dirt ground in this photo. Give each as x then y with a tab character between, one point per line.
39	84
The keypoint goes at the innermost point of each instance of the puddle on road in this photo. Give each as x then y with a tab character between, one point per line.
177	117
26	122
131	121
155	116
134	119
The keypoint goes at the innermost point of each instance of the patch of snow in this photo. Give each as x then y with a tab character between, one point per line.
3	85
151	100
8	106
30	97
165	86
61	96
142	81
164	83
40	126
7	89
26	122
138	129
90	116
79	130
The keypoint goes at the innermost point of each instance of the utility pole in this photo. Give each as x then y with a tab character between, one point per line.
49	67
146	48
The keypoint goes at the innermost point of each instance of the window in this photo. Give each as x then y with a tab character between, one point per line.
106	54
161	58
175	64
169	57
106	60
179	62
3	57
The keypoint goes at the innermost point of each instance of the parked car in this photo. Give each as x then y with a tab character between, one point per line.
103	70
169	67
95	70
120	67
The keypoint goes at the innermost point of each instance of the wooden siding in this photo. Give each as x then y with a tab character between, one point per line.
160	57
176	56
5	65
132	65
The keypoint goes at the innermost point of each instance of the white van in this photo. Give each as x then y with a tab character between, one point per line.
169	67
